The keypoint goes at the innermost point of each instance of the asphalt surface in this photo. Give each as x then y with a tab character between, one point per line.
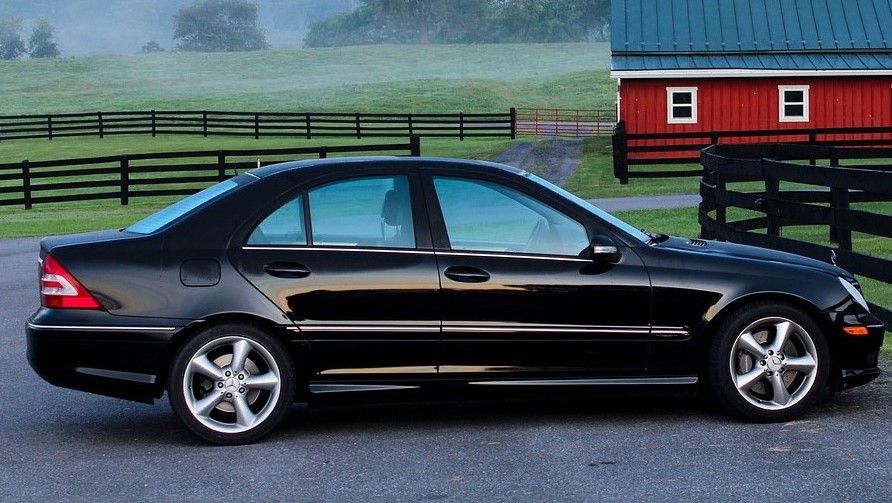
64	445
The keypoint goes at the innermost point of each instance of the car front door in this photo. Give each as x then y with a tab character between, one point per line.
522	303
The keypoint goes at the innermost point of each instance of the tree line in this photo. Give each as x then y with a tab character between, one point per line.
464	22
40	44
232	25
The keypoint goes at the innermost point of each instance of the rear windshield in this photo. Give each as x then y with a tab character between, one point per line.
156	221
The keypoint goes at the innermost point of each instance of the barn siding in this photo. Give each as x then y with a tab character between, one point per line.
748	104
752	103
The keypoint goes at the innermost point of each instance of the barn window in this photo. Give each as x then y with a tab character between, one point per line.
682	103
793	103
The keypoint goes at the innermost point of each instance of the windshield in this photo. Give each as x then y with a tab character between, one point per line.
156	221
612	220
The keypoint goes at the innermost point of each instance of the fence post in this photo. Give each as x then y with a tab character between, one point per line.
154	129
204	124
461	126
323	152
358	128
99	121
49	126
621	153
721	211
221	165
409	119
309	130
513	123
839	203
415	146
772	194
26	183
812	140
256	126
125	180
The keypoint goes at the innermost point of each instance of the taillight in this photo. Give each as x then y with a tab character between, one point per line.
60	290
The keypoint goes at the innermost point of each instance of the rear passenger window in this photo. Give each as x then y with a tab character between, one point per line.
366	212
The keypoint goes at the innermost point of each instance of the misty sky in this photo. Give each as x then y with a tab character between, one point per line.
89	27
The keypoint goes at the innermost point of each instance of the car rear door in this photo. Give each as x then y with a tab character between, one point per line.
349	261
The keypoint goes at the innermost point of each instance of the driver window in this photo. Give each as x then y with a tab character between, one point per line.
486	216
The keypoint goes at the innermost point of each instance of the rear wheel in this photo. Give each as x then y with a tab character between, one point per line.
769	362
231	384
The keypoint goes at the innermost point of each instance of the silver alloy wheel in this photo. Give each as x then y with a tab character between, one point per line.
774	363
231	384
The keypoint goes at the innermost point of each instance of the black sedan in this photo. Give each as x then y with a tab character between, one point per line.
357	276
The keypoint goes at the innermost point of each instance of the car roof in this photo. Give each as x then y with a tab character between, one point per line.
277	168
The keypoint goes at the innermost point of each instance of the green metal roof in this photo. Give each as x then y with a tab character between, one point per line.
793	35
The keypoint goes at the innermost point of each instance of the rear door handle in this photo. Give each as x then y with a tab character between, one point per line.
286	270
464	274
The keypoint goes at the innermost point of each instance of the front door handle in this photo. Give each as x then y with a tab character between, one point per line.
286	270
464	274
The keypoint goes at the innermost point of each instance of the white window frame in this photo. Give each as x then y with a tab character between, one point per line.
670	107
782	104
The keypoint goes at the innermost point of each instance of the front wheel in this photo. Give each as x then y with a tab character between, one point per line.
769	363
231	384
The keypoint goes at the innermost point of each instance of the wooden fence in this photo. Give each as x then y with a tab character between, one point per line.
640	149
126	176
258	124
841	198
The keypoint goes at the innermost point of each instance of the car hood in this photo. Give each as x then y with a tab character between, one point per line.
746	253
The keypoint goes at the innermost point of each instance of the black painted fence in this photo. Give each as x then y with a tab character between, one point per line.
258	124
126	176
801	194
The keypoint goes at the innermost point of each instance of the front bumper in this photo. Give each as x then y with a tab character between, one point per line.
856	358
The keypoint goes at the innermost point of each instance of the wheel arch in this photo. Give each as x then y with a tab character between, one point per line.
190	330
804	305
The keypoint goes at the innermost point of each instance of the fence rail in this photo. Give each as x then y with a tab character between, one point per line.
829	196
126	176
258	124
642	149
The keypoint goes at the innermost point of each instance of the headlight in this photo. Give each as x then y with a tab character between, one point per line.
859	298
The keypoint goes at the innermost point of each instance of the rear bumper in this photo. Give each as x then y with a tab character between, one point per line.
121	362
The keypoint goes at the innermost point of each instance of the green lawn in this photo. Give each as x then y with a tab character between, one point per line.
395	79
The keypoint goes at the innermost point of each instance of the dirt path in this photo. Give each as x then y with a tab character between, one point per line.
554	159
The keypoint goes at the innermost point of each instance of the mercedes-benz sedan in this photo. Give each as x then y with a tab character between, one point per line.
353	276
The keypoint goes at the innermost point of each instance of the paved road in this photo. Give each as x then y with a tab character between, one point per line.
62	445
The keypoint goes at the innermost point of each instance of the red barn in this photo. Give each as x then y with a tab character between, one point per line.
749	65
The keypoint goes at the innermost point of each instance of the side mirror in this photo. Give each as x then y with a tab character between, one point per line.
604	248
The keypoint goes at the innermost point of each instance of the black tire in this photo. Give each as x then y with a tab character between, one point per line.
768	362
231	384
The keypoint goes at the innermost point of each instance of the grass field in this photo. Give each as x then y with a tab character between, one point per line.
395	79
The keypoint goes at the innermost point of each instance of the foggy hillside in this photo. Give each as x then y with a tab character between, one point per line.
86	27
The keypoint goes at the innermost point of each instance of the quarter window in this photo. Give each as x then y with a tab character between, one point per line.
793	103
285	226
682	105
485	216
